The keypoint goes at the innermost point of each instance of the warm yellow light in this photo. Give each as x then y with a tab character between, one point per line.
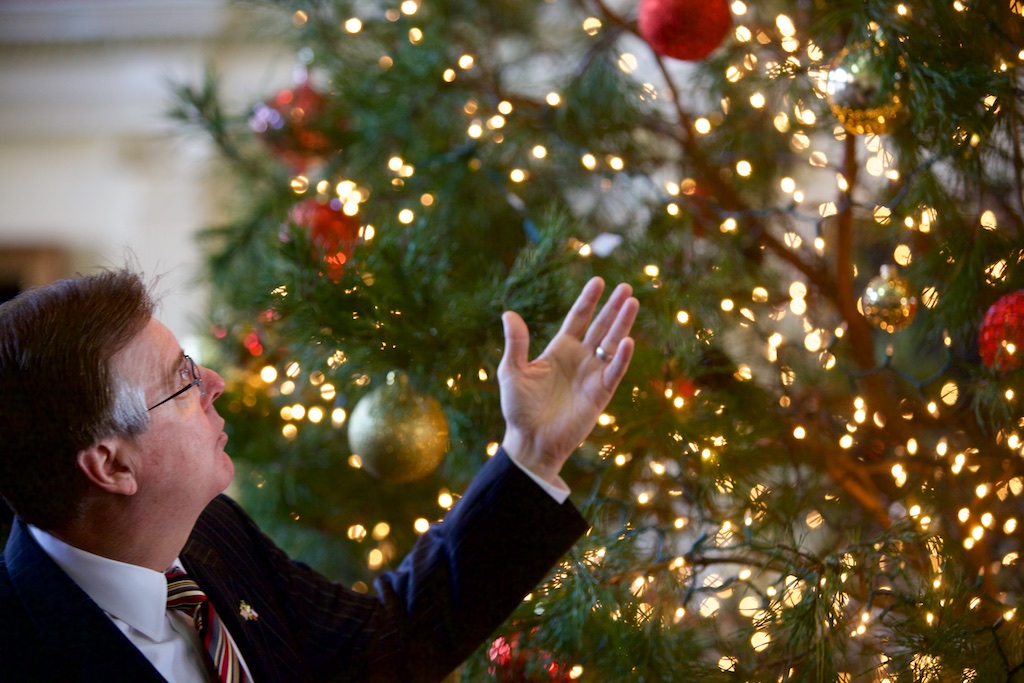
375	559
591	25
338	416
760	640
785	25
988	220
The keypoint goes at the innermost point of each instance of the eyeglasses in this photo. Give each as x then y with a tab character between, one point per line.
188	370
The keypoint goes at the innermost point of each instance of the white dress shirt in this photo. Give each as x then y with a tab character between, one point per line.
135	599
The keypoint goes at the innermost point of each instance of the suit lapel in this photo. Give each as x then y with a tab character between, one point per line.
83	640
226	589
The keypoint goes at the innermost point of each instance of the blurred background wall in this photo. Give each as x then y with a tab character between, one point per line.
92	169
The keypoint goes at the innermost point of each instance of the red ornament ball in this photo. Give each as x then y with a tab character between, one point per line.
684	29
291	124
512	663
1001	335
333	233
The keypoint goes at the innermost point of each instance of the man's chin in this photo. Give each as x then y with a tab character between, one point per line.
229	474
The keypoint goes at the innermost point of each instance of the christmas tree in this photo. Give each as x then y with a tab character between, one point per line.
813	470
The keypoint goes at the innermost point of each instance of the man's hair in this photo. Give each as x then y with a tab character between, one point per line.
59	393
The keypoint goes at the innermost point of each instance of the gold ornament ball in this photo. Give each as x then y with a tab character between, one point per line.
889	301
863	89
399	435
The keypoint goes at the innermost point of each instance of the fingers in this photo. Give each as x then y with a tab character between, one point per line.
517	340
579	315
616	369
620	327
614	321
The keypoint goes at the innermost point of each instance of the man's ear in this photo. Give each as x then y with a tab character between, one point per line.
105	464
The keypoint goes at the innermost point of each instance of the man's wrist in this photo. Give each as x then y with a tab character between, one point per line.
539	468
559	492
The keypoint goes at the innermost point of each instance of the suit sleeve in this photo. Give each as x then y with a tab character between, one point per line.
460	582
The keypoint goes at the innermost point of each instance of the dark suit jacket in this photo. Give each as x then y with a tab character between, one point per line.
458	584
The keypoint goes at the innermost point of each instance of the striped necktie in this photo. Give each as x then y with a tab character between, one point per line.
184	595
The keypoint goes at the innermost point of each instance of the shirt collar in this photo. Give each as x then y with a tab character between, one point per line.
135	595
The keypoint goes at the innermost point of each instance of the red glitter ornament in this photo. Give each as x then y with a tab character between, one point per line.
291	124
684	29
509	663
1001	335
333	232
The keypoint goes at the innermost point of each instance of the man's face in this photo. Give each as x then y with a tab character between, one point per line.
180	460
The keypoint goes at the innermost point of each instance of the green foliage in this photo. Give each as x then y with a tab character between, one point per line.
780	491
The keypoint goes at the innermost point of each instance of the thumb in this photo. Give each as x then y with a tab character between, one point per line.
517	342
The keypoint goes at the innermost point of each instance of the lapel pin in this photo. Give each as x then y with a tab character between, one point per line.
247	612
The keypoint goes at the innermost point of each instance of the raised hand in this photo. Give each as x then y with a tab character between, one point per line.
552	403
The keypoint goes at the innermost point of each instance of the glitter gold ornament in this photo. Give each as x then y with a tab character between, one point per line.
863	89
399	435
889	301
